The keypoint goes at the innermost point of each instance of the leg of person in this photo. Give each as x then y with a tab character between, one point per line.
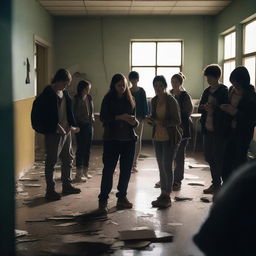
208	153
138	131
126	162
88	143
80	143
179	164
111	152
51	149
66	156
159	151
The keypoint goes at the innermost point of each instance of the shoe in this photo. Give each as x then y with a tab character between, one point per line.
123	203
163	201
176	186
158	185
79	180
86	174
134	169
52	196
103	207
211	190
67	190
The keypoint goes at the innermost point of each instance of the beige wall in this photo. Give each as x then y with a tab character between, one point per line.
24	136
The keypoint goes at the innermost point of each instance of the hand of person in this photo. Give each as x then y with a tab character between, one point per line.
75	129
228	108
132	120
61	130
124	117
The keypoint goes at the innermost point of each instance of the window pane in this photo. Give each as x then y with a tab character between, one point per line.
250	63
250	37
146	80
227	69
169	53
230	46
143	54
168	73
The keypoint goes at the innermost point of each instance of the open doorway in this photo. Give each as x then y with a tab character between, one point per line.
41	66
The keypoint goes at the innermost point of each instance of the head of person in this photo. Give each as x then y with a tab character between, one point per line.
177	81
61	79
134	77
240	78
212	73
83	88
160	85
119	87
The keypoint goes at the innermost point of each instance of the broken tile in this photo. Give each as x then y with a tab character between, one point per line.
19	233
137	233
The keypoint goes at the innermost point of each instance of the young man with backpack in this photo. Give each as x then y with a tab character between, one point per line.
52	116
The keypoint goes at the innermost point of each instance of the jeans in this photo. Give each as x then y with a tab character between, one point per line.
84	142
214	147
112	151
179	161
58	146
165	153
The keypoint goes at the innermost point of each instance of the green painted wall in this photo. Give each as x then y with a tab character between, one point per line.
29	19
100	46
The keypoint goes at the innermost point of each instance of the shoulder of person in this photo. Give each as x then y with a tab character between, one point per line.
223	87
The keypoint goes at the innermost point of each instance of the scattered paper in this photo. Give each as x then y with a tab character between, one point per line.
66	224
137	244
182	198
36	220
26	240
174	224
60	218
19	233
32	185
193	165
79	238
190	177
28	179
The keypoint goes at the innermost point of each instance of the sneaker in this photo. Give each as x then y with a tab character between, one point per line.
176	186
86	174
163	201
79	180
123	203
67	190
103	207
134	169
211	190
158	185
52	196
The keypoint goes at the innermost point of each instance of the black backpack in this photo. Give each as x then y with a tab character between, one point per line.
37	114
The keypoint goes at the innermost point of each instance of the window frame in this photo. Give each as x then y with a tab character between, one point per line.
251	54
158	66
228	60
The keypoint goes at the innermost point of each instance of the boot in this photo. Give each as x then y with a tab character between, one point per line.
79	178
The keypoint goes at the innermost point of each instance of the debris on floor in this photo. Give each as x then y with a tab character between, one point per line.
19	233
182	198
174	224
197	183
206	199
137	233
194	165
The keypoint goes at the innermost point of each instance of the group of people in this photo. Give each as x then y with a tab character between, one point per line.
228	120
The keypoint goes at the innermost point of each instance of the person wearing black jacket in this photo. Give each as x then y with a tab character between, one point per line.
52	115
118	117
215	124
242	110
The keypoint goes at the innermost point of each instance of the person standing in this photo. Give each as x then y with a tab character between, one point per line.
84	115
139	95
52	115
118	117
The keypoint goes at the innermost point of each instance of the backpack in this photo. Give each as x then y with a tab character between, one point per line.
37	114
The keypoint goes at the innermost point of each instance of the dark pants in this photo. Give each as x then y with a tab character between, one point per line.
214	148
180	160
235	154
112	151
58	146
84	142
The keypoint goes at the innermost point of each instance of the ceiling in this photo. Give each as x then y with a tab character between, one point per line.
133	7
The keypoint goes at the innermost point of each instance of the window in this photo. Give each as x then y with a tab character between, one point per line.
249	53
155	58
229	56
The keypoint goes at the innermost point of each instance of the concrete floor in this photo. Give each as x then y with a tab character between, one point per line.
141	192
